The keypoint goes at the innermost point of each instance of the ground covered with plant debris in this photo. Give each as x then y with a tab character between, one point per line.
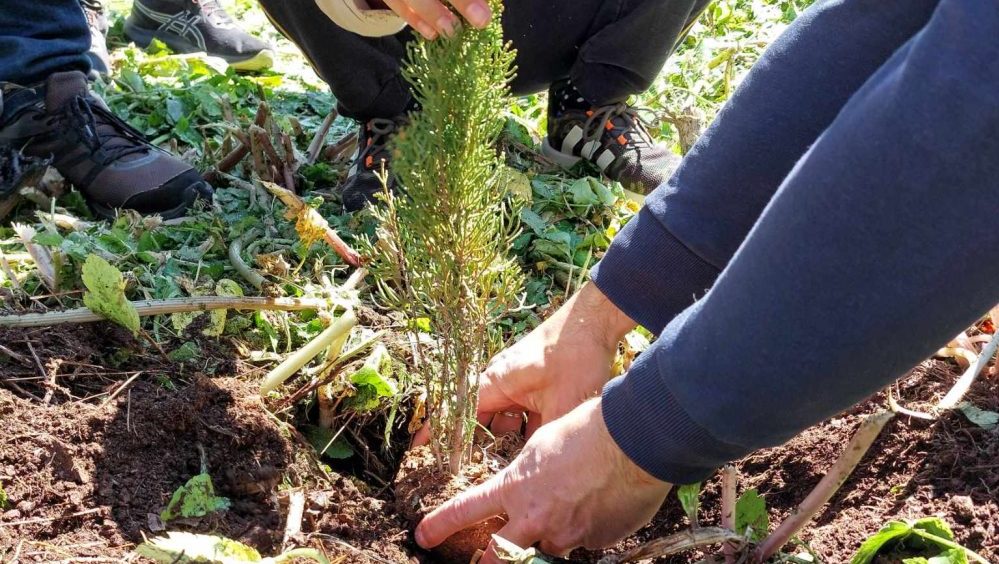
101	427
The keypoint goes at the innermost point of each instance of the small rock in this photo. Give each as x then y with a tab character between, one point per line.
26	506
963	508
12	515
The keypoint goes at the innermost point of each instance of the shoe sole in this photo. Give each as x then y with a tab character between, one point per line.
568	161
192	194
143	37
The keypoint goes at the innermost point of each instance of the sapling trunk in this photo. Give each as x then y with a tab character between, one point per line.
442	250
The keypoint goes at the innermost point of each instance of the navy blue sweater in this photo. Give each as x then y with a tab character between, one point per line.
843	209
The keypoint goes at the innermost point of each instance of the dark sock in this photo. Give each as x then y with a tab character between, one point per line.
563	96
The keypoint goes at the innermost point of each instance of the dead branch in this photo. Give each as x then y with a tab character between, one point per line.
296	511
675	544
317	142
163	307
827	487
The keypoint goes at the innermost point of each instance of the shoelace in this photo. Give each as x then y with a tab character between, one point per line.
596	124
116	137
212	11
378	130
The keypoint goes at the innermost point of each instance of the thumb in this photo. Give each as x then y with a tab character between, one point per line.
461	512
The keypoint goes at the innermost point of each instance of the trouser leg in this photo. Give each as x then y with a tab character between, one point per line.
40	37
612	48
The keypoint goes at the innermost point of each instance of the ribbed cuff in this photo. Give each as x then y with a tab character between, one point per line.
650	275
655	431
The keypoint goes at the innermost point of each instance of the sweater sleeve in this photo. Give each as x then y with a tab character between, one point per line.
880	245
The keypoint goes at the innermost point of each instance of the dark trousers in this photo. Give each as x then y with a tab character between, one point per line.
40	37
610	48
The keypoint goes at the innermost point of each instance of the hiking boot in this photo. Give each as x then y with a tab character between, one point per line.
372	156
612	137
108	161
97	21
192	26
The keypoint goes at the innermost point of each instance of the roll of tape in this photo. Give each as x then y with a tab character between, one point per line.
358	17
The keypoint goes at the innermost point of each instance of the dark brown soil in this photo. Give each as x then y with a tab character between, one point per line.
421	486
84	478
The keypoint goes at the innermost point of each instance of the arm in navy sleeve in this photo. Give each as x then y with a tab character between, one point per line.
880	245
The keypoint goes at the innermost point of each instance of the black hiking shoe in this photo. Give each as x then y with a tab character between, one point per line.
611	137
191	26
370	159
97	21
106	159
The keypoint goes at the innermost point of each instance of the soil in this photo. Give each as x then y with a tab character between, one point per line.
422	485
84	475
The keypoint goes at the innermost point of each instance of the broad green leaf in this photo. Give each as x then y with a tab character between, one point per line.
189	548
196	498
690	496
510	552
583	194
531	219
892	531
105	294
48	239
323	441
751	513
185	353
987	420
935	526
217	318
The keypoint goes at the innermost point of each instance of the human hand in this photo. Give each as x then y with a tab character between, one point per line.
558	366
432	18
571	486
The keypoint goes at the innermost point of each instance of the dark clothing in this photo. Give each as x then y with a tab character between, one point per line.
42	37
610	48
841	209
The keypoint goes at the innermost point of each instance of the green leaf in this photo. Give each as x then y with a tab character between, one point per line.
751	513
892	531
196	498
105	294
935	526
531	219
689	496
4	500
987	420
48	239
190	548
372	387
185	353
582	193
217	318
510	552
323	441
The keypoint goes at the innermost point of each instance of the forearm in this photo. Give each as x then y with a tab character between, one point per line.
879	246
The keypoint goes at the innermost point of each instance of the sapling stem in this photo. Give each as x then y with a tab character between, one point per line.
311	350
854	452
148	308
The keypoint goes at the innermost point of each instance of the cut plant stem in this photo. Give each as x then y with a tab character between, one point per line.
162	307
317	142
297	207
730	481
255	279
296	511
43	258
963	384
854	452
302	356
674	544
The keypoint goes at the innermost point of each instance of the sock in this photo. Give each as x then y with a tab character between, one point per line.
563	96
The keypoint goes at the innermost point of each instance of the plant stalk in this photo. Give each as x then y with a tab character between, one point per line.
854	452
148	308
302	356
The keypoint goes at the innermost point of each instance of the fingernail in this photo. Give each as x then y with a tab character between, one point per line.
478	15
426	31
446	25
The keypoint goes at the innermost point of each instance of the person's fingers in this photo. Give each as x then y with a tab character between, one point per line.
507	422
477	12
412	18
461	512
436	14
519	533
555	548
421	437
